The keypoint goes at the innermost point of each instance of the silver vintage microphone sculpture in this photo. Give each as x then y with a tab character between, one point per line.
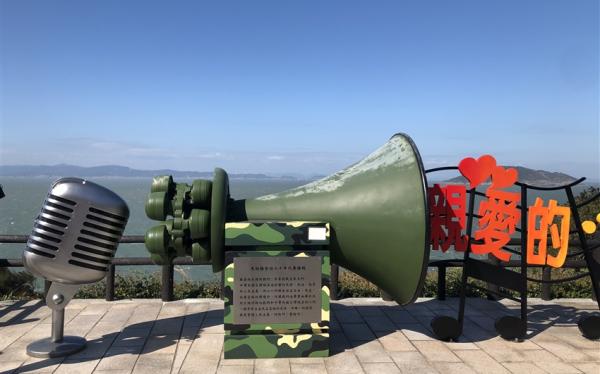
72	243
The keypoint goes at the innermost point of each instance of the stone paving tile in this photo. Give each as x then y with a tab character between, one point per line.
212	326
235	369
587	367
204	354
380	323
593	353
453	368
348	316
412	362
236	361
481	362
371	351
204	366
308	368
399	317
523	367
169	325
343	363
418	310
70	366
461	345
334	325
161	344
39	365
371	336
484	322
381	368
501	350
272	366
416	331
535	355
574	339
131	337
435	351
154	362
357	331
562	350
557	367
307	360
338	343
395	342
369	310
8	367
180	354
119	358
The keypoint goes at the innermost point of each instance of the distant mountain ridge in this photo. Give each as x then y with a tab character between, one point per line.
534	177
541	178
63	170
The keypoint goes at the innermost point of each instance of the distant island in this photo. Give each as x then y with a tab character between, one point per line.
541	178
63	170
529	176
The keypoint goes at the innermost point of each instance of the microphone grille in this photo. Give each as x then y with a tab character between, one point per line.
76	233
98	239
49	227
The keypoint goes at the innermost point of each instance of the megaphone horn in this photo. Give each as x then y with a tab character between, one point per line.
377	209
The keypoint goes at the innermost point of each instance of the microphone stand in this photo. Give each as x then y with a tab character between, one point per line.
57	345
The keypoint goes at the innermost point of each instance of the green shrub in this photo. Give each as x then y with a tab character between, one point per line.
17	285
138	285
352	285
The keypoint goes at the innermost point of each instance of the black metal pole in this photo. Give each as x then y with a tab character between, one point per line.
335	273
110	283
167	282
546	287
464	278
441	283
593	265
493	288
524	255
47	284
222	293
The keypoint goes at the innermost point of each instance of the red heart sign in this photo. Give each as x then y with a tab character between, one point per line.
502	177
477	171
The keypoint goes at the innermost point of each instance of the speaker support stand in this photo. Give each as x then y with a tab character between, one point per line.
589	325
509	327
57	345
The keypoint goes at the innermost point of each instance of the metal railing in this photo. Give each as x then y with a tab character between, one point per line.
168	283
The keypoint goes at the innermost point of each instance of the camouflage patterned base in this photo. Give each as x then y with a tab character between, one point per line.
292	336
276	345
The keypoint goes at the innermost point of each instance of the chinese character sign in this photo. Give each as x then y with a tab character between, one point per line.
447	206
540	220
498	216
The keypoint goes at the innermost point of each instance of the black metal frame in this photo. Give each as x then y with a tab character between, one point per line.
498	277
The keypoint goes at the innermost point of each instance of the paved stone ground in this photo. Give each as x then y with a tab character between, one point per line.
368	336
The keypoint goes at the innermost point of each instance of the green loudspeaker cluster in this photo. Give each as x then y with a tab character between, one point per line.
377	209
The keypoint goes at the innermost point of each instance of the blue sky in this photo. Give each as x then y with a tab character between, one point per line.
298	87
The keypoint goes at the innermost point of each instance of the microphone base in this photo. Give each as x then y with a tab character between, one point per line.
46	348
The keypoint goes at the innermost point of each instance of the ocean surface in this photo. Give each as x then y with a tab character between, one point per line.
24	198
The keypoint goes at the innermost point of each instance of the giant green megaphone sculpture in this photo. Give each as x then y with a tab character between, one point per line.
377	209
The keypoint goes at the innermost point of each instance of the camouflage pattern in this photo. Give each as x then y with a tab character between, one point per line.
262	340
274	233
290	328
276	340
276	345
